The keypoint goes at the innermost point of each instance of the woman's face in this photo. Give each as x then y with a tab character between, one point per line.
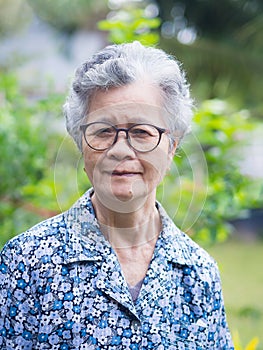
124	179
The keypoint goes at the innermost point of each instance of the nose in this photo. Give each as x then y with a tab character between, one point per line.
121	148
124	131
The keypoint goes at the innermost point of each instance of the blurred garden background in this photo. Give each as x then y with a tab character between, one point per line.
215	188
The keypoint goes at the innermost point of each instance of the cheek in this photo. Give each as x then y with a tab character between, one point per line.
156	166
91	162
88	169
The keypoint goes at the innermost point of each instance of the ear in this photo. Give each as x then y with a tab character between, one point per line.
172	149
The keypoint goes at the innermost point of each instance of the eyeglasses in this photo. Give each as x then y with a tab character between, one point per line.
141	137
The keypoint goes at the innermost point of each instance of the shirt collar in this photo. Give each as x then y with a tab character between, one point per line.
85	242
177	245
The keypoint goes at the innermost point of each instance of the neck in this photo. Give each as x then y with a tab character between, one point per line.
129	230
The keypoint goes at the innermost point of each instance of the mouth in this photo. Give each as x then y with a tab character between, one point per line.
125	173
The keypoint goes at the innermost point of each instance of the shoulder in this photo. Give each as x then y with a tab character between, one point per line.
198	258
51	231
42	239
54	237
197	255
198	270
182	250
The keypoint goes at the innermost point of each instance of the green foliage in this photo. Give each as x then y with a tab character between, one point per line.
16	141
223	133
131	24
67	15
27	140
207	201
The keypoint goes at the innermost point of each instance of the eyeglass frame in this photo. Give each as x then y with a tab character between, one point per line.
161	131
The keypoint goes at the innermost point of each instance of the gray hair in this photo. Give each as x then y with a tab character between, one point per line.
119	65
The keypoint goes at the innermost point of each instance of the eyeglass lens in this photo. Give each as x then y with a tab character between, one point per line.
142	137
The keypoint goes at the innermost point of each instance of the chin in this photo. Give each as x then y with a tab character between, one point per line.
121	193
123	199
129	191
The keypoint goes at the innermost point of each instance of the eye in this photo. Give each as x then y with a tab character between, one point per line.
104	132
139	131
143	131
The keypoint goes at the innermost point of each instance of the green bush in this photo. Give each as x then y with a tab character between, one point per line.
27	140
206	187
131	24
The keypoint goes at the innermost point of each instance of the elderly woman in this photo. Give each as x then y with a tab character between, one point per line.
114	272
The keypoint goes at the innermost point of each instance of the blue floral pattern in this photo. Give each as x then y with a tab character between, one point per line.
62	288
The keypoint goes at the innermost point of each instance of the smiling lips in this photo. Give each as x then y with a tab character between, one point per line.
123	170
125	173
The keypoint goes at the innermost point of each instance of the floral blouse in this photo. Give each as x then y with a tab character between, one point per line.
61	287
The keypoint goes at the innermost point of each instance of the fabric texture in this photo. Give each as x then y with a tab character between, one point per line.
61	287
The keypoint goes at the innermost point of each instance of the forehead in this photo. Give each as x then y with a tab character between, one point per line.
128	113
139	102
135	103
141	92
